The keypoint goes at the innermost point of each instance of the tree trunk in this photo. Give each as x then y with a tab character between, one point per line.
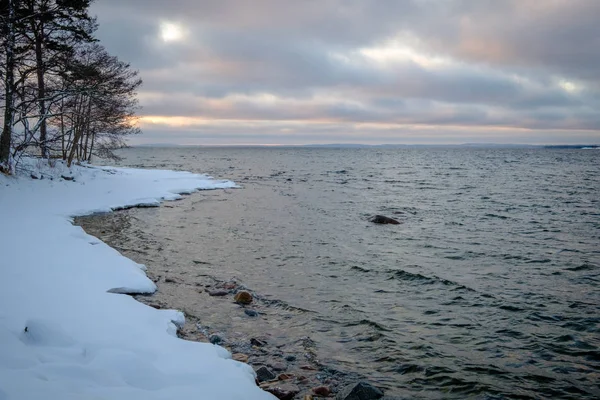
74	147
39	60
78	127
6	137
87	128
91	147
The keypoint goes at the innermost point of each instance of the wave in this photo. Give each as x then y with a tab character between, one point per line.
582	267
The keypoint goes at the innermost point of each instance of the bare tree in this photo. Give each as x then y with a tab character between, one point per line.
57	27
102	109
62	92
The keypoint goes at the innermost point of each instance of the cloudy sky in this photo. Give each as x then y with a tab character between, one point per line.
361	71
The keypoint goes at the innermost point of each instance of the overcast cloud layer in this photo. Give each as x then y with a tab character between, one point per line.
361	71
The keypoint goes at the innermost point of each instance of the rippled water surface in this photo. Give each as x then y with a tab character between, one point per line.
489	288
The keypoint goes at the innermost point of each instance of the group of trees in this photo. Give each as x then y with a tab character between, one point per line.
63	95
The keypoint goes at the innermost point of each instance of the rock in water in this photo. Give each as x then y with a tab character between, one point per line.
283	392
264	374
257	342
381	219
278	366
218	293
243	297
359	391
251	313
322	391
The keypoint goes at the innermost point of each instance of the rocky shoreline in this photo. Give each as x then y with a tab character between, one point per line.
289	371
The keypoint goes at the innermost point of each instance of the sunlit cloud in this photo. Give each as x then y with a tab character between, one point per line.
398	50
568	86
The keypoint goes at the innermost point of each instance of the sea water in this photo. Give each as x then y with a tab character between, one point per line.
489	288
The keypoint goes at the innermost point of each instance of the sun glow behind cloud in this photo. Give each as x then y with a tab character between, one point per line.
171	32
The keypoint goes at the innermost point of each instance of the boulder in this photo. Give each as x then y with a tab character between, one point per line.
359	391
243	297
381	219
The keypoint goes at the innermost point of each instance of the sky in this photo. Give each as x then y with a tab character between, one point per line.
360	71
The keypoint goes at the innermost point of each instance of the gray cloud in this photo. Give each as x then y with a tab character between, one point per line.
518	64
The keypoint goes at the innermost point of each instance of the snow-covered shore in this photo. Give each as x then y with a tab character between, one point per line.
65	331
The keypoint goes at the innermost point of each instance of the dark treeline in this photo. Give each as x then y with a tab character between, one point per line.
63	95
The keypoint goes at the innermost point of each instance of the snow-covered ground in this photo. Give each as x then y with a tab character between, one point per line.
65	331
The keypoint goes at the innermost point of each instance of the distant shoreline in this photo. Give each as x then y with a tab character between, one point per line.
380	146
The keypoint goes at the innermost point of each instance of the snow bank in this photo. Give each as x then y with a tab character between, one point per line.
65	332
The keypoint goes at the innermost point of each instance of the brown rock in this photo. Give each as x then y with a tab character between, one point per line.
284	377
240	357
308	368
283	392
308	397
243	297
321	391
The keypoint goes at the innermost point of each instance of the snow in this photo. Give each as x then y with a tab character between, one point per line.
66	332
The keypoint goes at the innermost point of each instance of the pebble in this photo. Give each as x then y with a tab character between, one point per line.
243	297
215	339
278	366
284	377
240	357
290	358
